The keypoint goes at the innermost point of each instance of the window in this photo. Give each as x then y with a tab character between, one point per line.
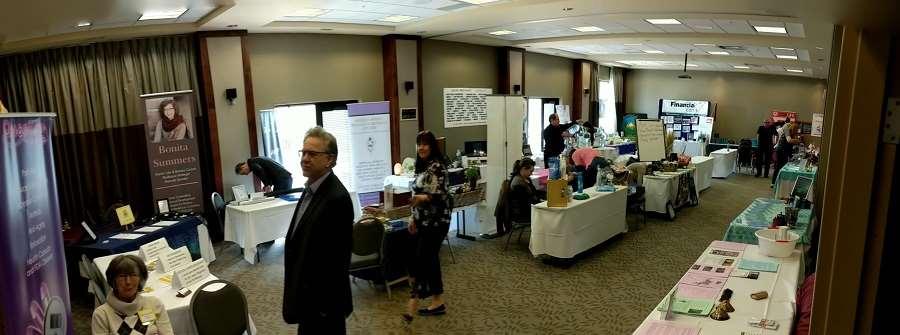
539	109
607	117
283	128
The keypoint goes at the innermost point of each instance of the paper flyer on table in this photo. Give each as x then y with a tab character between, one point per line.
703	280
728	245
748	264
689	306
165	223
126	236
148	229
659	327
697	292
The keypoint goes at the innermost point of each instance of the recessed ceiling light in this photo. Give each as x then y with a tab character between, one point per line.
771	30
162	14
703	27
83	24
718	53
785	49
786	57
478	2
820	48
632	44
398	18
501	32
793	70
587	29
692	65
744	67
663	21
653	51
307	12
704	45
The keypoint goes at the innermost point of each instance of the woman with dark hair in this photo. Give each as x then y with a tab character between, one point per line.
522	193
428	225
171	126
126	311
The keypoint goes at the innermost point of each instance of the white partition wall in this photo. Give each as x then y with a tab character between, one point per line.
505	125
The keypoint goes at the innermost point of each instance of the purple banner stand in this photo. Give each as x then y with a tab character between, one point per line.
34	292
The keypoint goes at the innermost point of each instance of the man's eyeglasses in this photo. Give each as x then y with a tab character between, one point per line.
312	153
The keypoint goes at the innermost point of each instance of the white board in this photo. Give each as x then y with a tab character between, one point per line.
465	107
651	140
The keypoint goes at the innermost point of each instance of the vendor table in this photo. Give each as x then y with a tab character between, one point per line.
779	306
608	153
250	225
187	231
703	175
788	175
689	148
759	215
669	191
179	309
564	232
625	148
726	162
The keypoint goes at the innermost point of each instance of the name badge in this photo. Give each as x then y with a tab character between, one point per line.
147	316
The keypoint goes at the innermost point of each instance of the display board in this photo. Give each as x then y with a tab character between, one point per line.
684	107
651	140
818	121
778	115
465	107
370	142
685	119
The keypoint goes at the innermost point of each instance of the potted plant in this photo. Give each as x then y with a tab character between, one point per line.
472	175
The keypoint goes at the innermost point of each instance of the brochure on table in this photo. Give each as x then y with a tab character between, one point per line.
150	252
174	260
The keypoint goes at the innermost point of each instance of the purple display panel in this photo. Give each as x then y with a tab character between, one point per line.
34	293
372	132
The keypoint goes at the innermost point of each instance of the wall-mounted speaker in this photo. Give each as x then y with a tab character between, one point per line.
517	88
230	95
409	86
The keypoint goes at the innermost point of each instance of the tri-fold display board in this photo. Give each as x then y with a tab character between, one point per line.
687	119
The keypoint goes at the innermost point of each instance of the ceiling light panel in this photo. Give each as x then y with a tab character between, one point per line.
770	29
741	67
793	70
786	57
83	24
718	53
588	29
502	32
398	18
651	51
663	21
479	2
162	14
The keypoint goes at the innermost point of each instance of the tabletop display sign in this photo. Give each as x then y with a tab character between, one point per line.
190	274
556	193
126	217
34	292
465	107
172	150
651	138
174	260
150	252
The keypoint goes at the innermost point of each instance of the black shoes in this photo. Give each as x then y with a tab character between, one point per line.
440	310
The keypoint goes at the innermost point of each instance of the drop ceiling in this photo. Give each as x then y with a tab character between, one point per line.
622	33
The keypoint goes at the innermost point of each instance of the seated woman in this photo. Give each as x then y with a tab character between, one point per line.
522	193
125	310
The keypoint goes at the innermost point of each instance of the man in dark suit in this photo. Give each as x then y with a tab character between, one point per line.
318	243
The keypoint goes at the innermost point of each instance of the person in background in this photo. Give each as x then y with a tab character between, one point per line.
522	193
784	148
273	176
764	135
171	125
318	243
585	161
428	225
553	138
126	311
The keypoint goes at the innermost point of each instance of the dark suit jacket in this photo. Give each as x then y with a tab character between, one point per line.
317	256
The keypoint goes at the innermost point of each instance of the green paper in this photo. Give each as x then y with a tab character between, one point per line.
695	307
752	265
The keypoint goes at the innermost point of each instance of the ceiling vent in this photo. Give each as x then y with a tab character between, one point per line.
732	47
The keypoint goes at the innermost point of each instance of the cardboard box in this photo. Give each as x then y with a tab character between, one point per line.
557	193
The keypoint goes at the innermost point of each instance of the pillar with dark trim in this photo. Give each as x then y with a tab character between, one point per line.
511	76
402	55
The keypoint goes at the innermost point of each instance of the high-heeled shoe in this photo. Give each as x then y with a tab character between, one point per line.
408	319
440	310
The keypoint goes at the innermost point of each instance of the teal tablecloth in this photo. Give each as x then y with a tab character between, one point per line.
758	216
788	175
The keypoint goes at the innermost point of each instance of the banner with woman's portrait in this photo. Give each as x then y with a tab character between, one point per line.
172	150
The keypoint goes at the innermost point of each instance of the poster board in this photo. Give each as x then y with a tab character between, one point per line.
369	128
818	120
465	107
651	140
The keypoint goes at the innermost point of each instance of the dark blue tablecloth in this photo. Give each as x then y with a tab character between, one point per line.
183	233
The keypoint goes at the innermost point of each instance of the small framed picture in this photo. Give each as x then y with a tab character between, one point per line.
408	114
686	128
695	120
162	206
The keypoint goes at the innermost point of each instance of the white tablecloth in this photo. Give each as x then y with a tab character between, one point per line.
178	308
662	189
781	300
689	148
726	161
250	225
565	232
703	174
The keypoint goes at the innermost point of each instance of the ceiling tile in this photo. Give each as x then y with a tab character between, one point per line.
640	26
735	26
703	26
675	28
795	30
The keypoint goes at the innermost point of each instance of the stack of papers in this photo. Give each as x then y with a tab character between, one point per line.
126	236
747	264
660	327
688	306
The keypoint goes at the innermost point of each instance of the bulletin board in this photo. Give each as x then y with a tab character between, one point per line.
465	107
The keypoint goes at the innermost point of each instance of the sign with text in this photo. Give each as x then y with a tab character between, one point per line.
699	108
651	140
34	291
190	275
151	251
818	123
783	115
172	150
370	129
171	261
465	107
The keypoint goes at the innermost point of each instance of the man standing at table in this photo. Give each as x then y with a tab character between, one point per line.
764	135
269	172
317	246
553	138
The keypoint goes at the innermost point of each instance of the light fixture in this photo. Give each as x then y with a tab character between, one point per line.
663	21
771	30
478	2
692	65
743	67
786	57
162	14
632	44
820	48
793	70
587	29
653	51
398	18
83	24
307	12
704	45
501	32
785	49
703	27
718	53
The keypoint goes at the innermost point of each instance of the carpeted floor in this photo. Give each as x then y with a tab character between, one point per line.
609	290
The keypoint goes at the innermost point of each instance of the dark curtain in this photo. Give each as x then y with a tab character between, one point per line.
100	149
617	75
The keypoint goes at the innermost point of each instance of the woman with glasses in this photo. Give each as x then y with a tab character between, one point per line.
428	225
126	311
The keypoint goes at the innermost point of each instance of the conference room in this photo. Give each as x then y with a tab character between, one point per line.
447	166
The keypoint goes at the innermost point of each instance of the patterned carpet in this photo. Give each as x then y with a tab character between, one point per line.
609	290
